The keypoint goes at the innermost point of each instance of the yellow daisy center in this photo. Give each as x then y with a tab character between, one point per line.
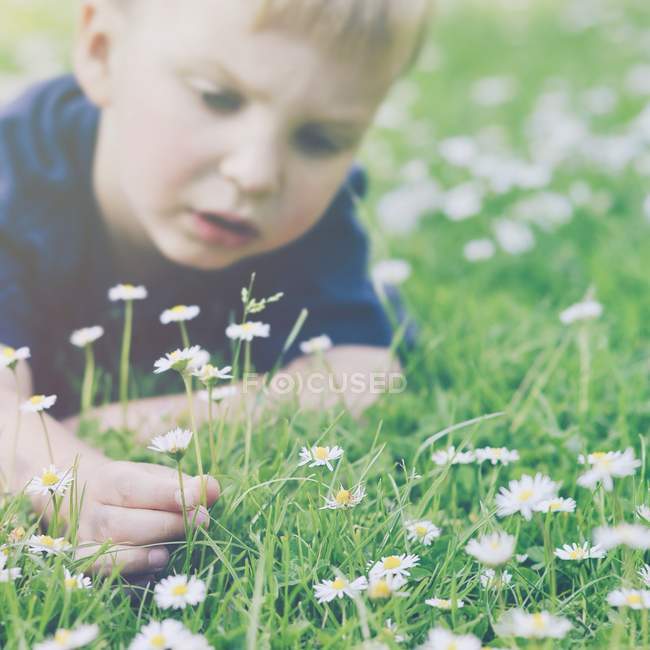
179	590
247	327
8	352
444	604
62	636
554	505
339	583
576	554
46	540
321	453
633	599
525	495
179	309
174	355
598	455
392	562
158	641
128	286
420	530
379	589
343	497
36	399
70	583
49	478
497	453
538	621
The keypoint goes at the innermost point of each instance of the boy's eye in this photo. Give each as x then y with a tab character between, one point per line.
312	141
222	101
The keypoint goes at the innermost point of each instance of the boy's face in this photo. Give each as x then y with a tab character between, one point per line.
222	142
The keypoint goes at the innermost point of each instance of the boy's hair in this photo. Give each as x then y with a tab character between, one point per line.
355	27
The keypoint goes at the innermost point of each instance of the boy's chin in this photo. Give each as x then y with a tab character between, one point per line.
195	255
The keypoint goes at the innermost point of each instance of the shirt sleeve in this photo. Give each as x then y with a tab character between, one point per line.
326	272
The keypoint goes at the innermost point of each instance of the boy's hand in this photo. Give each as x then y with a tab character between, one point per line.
137	506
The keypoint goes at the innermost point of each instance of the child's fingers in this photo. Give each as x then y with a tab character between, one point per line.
128	560
138	526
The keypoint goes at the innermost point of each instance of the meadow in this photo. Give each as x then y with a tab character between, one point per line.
501	500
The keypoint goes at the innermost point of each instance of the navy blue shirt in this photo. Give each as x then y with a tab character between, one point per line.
55	268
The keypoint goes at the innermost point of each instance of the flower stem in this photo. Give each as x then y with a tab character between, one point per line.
14	442
184	336
47	437
213	451
124	360
89	372
187	379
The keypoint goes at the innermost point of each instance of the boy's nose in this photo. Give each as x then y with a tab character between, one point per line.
254	168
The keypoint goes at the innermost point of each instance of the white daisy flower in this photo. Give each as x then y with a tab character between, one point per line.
441	639
386	586
422	531
86	335
390	272
174	443
643	511
607	465
635	536
478	250
523	495
558	504
127	292
8	575
185	360
69	639
179	591
218	394
50	481
577	553
209	375
391	629
328	590
345	498
320	456
394	565
496	455
644	574
452	457
38	403
78	581
585	310
493	549
443	603
48	545
179	313
541	625
521	557
167	635
9	357
632	598
316	345
248	331
490	580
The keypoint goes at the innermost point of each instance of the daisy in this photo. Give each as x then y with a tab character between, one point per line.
391	629
174	443
580	311
218	394
320	456
185	360
493	549
48	545
422	531
393	272
644	574
87	335
8	575
68	639
9	357
633	535
78	581
328	590
38	403
541	625
180	313
167	634
521	557
317	345
489	579
179	591
478	250
441	639
209	375
496	455
523	495
633	598
394	565
643	511
451	457
127	292
605	466
577	553
442	603
386	586
50	481
558	504
248	331
345	498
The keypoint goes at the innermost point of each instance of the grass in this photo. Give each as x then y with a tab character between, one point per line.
490	342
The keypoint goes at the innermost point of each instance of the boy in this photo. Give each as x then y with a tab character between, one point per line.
199	141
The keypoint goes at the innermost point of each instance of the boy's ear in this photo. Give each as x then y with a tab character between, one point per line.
92	58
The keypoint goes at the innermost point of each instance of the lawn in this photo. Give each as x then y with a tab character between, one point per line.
511	171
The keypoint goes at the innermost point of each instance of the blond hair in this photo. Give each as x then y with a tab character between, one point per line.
355	27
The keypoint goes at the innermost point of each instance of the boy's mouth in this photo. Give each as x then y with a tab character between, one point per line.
224	230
